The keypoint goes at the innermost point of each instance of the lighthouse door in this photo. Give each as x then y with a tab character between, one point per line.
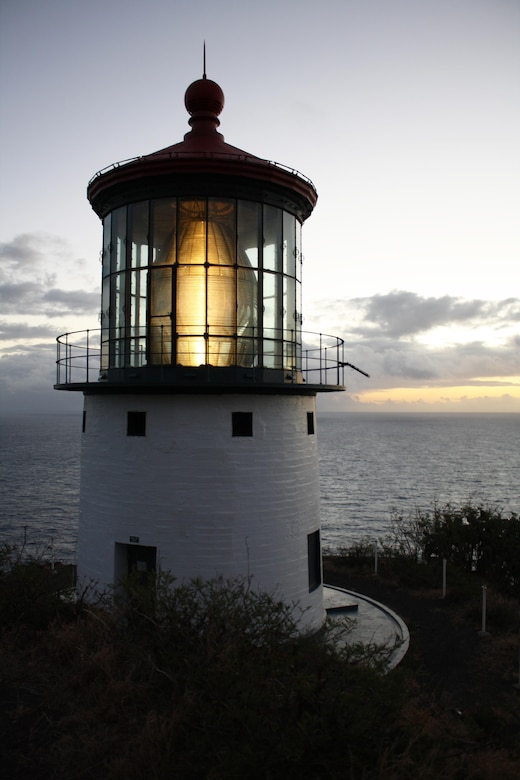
134	558
141	559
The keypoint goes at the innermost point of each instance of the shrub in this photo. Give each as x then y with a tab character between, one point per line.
31	591
474	538
208	679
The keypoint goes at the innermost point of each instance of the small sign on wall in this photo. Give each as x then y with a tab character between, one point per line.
134	539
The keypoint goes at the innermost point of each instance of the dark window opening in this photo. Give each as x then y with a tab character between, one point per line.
314	560
242	423
84	423
310	422
136	424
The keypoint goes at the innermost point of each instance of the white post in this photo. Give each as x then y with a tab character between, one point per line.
444	578
375	558
483	631
517	686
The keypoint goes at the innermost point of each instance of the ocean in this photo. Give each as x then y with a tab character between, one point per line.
371	466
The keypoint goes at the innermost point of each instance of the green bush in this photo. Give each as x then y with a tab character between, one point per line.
205	680
31	590
475	539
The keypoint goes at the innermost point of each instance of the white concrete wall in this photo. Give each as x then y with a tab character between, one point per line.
212	504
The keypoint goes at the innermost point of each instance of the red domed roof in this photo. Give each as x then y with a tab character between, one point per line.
204	160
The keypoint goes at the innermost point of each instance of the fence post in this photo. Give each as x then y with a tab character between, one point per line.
517	685
483	631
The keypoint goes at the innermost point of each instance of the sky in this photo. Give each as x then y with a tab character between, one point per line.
404	113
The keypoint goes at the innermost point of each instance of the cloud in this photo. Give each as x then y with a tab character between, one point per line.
26	382
401	314
22	331
404	340
36	270
43	292
74	301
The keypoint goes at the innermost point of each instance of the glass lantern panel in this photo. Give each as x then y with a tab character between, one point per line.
248	232
271	319
298	311
191	238
289	308
272	357
221	351
107	241
118	239
160	344
138	300
289	244
221	232
299	256
118	288
105	302
160	341
272	244
163	238
221	300
139	234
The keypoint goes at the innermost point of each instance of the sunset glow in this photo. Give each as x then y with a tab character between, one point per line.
502	397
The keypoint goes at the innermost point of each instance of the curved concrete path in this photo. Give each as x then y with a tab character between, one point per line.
372	623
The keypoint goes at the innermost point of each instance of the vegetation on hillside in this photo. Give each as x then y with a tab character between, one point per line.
212	680
478	542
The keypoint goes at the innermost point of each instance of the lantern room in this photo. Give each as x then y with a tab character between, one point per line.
201	281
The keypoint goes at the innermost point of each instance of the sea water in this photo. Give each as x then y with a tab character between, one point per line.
375	466
372	466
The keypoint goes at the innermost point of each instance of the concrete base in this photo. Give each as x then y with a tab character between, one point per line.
373	623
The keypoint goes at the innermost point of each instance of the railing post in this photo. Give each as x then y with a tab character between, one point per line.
326	361
162	344
87	362
321	358
57	361
67	360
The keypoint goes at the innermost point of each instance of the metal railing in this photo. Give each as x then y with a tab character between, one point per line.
172	154
323	363
79	355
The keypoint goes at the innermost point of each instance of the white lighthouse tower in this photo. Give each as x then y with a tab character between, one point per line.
199	451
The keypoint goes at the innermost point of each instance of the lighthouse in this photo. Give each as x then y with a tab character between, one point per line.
199	438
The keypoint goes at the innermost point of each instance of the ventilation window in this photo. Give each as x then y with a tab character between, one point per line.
242	423
84	423
314	560
310	422
136	424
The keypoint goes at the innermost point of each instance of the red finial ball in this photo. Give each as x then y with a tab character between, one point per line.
204	96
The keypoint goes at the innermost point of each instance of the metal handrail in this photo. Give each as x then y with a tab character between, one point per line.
201	154
79	354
